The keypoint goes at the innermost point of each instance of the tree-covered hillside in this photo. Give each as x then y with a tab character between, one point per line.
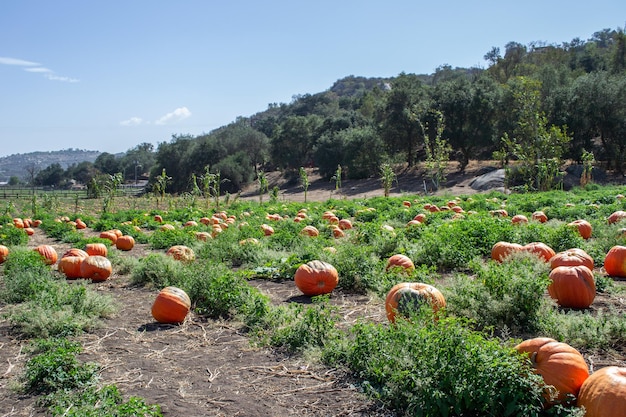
537	105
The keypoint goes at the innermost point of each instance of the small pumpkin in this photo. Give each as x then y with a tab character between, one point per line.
4	253
572	257
519	219
345	224
125	242
603	394
540	249
97	268
310	231
29	231
48	253
71	266
583	226
99	249
316	278
338	232
190	223
181	253
171	305
502	249
406	297
400	261
267	229
110	235
560	365
539	216
572	286
80	224
615	261
204	236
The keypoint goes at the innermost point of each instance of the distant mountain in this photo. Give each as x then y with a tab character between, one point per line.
17	164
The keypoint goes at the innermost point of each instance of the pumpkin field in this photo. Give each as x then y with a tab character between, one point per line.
486	304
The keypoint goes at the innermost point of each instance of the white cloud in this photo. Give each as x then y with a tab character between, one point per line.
36	68
133	121
177	115
4	60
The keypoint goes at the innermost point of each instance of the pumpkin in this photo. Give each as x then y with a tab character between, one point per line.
572	286
338	232
48	253
560	365
4	253
316	278
190	223
345	224
583	226
499	213
75	252
204	236
181	253
126	242
29	231
18	222
502	249
99	249
616	216
97	268
603	394
158	218
405	297
540	249
110	235
539	216
267	229
36	223
80	224
519	219
406	203
572	257
615	261
421	217
171	305
166	227
71	266
310	231
402	262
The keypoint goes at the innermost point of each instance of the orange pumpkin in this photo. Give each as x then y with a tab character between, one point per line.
615	261
4	253
110	235
572	286
539	216
616	216
166	227
338	232
421	217
499	213
558	363
572	257
75	252
405	297
316	278
267	229
519	219
99	249
583	226
540	249
18	222
158	218
71	266
171	305
181	253
49	254
29	231
310	231
190	223
80	224
400	261
406	203
603	394
345	224
502	249
97	268
204	236
126	242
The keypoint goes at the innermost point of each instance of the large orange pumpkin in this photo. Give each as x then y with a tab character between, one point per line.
583	226
615	261
310	231
4	252
572	286
603	394
99	249
75	252
49	254
70	266
540	249
401	262
406	297
345	224
181	253
316	278
572	257
125	242
110	235
502	249
97	268
558	363
616	216
171	305
539	216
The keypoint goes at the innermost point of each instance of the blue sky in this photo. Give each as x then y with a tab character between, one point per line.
108	76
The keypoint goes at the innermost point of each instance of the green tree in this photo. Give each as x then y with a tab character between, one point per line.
52	176
437	150
537	147
304	181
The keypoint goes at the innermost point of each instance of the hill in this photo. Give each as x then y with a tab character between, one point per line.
18	164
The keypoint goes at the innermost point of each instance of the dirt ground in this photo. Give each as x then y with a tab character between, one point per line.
209	368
